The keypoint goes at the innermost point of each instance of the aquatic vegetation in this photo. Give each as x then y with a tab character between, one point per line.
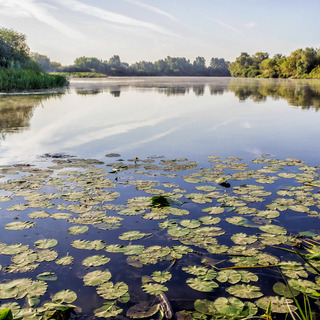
198	238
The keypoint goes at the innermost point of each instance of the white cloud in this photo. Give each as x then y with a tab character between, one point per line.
37	10
111	16
152	8
228	26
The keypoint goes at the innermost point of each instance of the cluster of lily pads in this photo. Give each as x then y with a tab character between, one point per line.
201	243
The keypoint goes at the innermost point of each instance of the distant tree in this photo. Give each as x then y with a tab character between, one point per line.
219	67
199	66
14	51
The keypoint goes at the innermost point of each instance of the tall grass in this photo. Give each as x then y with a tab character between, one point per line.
19	80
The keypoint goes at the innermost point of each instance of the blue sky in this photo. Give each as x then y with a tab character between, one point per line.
153	29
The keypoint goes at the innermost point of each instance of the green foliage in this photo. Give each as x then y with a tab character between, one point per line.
6	314
160	201
300	64
17	80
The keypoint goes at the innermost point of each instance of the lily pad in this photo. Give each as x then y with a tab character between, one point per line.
96	260
278	304
142	310
74	230
161	277
133	235
20	225
273	229
96	278
202	285
46	243
65	260
64	296
108	310
47	276
154	288
110	291
245	291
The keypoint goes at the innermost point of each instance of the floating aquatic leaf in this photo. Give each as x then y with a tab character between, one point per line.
283	290
305	286
243	238
88	245
25	257
202	285
231	276
205	307
214	210
247	276
228	307
133	235
96	278
20	225
38	214
46	243
77	230
161	277
61	216
109	309
278	304
37	288
13	248
142	310
273	229
64	296
96	260
110	291
154	288
65	260
15	289
190	224
245	291
208	220
47	255
47	276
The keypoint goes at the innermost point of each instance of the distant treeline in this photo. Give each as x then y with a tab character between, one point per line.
169	66
302	63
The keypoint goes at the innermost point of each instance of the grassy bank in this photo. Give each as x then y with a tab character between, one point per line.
81	74
18	80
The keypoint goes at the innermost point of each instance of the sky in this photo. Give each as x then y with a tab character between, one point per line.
150	30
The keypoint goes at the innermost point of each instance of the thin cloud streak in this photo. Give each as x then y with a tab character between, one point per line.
30	8
152	8
111	16
225	25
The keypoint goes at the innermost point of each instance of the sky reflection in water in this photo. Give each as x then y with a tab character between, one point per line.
174	117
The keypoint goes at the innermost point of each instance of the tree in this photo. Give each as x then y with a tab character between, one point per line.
199	66
219	67
14	51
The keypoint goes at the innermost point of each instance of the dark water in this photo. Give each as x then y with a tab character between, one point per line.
172	118
175	117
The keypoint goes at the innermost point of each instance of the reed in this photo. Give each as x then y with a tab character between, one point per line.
20	80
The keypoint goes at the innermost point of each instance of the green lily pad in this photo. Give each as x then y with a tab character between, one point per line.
282	290
37	288
231	276
64	296
110	291
278	304
305	286
154	288
205	307
109	309
20	225
190	224
273	229
208	220
38	214
228	307
47	276
15	289
161	277
96	260
142	310
46	243
77	230
65	261
243	238
96	278
133	235
202	285
245	291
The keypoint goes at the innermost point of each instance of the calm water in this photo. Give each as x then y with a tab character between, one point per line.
174	117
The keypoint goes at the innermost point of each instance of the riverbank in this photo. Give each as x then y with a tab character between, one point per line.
18	80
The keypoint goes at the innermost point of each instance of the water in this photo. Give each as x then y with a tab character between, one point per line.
158	119
175	117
